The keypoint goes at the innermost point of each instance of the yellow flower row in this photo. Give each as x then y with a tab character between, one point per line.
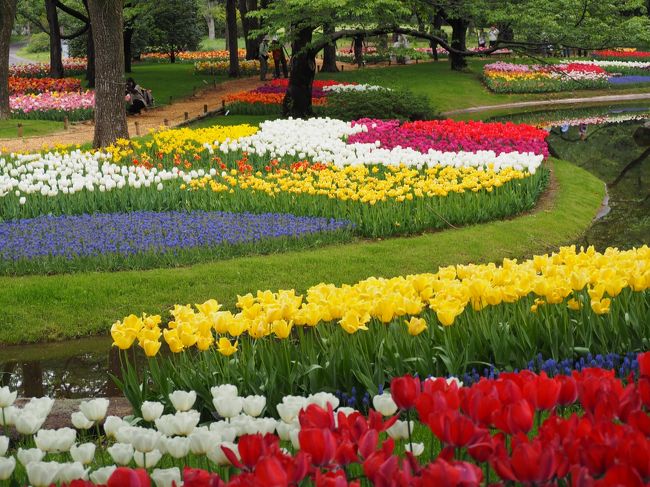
363	183
179	142
518	76
554	279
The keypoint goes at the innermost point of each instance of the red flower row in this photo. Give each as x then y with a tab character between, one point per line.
489	423
22	86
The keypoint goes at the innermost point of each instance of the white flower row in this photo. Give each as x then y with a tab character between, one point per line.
324	140
53	173
360	87
176	435
614	64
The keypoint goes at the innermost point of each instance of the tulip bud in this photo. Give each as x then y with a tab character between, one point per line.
84	453
30	455
121	453
166	477
152	410
101	475
94	410
152	458
7	467
182	400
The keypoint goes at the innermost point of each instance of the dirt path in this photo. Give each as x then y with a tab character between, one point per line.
562	101
83	132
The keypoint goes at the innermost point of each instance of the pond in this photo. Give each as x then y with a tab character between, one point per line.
599	139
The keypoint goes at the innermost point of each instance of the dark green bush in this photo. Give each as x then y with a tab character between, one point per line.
39	42
384	103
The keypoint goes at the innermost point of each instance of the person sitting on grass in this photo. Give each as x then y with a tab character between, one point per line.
138	97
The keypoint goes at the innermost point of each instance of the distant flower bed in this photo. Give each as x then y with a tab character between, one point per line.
630	79
623	55
523	78
71	66
145	234
221	67
53	106
191	56
20	85
622	67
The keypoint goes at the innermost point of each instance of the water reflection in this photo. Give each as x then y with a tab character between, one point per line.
598	139
72	369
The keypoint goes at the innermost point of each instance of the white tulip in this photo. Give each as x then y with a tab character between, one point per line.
22	200
55	441
254	405
101	475
416	448
183	400
399	430
39	406
177	447
227	407
7	467
295	439
4	445
7	397
152	458
284	430
152	410
167	477
144	440
80	421
28	423
113	424
95	410
71	471
202	440
42	474
121	453
8	415
384	404
216	454
29	455
227	432
84	453
224	390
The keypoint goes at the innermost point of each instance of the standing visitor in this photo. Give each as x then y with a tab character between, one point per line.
357	48
279	59
481	39
493	35
264	57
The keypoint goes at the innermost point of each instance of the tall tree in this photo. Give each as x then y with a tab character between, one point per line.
7	17
231	23
250	24
329	52
174	26
110	114
56	60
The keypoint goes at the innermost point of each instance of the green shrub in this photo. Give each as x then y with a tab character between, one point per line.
39	42
384	103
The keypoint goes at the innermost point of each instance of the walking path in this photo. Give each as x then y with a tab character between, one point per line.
561	101
13	55
80	133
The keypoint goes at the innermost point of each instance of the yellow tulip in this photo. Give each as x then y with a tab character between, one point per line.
151	347
352	322
282	328
574	304
601	307
210	306
416	326
122	340
224	347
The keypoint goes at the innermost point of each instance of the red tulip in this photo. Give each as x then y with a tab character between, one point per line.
543	393
621	476
319	443
530	462
568	390
451	474
644	364
314	416
515	418
127	477
196	477
644	391
346	453
405	391
454	429
270	472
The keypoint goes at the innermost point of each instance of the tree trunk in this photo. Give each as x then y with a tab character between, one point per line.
128	56
226	35
297	100
250	24
90	52
231	22
7	15
209	19
458	41
56	61
437	30
110	114
329	52
172	55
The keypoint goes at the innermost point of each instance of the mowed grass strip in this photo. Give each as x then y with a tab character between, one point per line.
42	308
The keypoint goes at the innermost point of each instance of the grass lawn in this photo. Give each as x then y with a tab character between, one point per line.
36	57
218	44
38	308
450	90
9	128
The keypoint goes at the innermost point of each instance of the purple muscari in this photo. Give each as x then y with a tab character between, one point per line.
621	80
146	231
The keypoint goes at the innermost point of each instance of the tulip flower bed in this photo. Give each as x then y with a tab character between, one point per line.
576	116
246	67
620	67
23	86
503	77
53	106
191	56
71	66
585	428
148	239
439	324
267	99
622	55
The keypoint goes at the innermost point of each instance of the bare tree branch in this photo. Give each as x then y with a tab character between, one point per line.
72	12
